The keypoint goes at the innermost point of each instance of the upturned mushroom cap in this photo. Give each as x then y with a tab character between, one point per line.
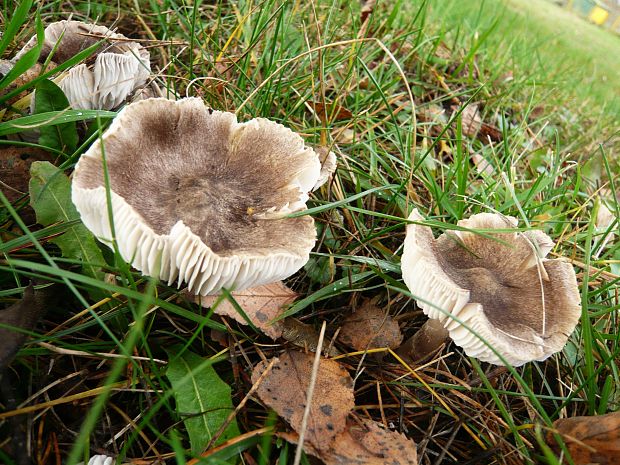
119	68
499	285
198	197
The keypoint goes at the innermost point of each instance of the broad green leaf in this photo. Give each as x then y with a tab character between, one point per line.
49	97
49	118
203	399
50	197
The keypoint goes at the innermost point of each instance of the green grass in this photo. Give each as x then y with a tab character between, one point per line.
558	118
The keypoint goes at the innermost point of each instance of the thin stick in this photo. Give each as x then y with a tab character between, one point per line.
310	393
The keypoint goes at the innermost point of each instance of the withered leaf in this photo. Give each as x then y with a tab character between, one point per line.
305	336
474	126
593	439
19	317
365	442
332	113
262	304
368	7
482	166
285	388
15	173
370	327
472	122
370	444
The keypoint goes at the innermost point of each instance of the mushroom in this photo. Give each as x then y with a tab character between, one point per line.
328	166
119	68
198	197
496	287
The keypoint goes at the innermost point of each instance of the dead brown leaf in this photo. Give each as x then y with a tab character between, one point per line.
593	439
344	136
331	113
442	51
304	336
19	317
15	173
370	327
365	442
472	121
482	166
474	126
284	390
368	7
262	304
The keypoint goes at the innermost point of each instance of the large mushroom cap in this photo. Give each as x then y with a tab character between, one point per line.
198	197
497	284
119	68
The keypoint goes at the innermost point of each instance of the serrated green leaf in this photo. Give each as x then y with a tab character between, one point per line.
49	97
50	197
203	399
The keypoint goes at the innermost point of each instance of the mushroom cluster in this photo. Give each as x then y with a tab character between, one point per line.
495	292
119	68
198	197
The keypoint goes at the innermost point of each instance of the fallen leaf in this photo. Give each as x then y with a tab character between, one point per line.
432	113
305	336
19	318
50	196
203	400
474	126
370	327
442	51
368	7
331	113
482	166
368	443
488	131
590	440
604	219
365	442
261	304
344	136
471	120
15	174
285	388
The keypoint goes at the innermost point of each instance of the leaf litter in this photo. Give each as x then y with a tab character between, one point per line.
370	327
367	442
261	304
19	318
589	439
284	390
333	433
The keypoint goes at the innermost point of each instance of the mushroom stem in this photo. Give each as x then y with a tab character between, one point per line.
425	342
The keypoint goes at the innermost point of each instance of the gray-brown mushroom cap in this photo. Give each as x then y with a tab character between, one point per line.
198	197
119	67
500	285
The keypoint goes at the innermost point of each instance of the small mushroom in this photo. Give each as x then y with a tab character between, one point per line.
328	166
119	68
198	197
498	285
